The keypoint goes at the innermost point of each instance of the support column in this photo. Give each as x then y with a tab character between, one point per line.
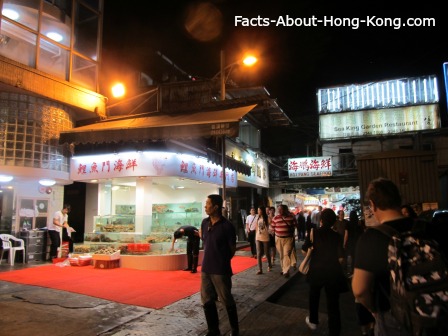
143	205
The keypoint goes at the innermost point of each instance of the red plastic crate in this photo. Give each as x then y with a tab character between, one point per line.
139	247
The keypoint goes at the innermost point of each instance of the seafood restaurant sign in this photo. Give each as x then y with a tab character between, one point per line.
85	168
378	122
310	167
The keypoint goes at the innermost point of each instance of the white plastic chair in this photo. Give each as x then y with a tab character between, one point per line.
6	245
9	244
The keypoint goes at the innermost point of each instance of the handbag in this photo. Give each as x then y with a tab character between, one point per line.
305	264
342	283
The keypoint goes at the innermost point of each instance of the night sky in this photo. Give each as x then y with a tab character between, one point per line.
294	61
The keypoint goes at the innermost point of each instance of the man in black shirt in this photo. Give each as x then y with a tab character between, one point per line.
192	233
370	282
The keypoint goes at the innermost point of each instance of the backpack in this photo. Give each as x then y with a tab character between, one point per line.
418	282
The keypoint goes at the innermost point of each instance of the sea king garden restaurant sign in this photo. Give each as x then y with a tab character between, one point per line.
378	122
310	167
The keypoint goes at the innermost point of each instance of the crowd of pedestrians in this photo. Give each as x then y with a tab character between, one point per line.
342	258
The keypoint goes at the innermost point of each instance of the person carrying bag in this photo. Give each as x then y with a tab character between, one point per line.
308	247
325	272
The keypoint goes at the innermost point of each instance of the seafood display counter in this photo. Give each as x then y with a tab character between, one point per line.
149	251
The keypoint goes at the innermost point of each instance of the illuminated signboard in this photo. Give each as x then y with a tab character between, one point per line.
310	167
378	122
84	168
259	168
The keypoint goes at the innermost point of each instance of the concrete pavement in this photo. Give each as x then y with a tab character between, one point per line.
29	310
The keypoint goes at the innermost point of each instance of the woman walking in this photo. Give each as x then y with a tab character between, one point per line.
262	239
325	272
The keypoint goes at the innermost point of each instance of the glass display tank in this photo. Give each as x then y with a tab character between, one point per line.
119	230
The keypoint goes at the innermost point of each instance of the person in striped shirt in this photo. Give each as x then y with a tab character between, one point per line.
284	226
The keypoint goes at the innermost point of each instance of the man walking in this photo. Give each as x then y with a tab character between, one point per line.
251	225
219	239
370	282
284	226
315	217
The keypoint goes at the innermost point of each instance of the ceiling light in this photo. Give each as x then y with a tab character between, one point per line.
6	178
47	182
115	188
10	14
55	36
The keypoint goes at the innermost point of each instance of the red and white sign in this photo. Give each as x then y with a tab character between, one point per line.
84	168
310	167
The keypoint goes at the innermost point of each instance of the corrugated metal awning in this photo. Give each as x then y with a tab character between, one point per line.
163	127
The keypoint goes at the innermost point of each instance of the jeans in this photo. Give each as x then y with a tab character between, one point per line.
334	314
214	286
193	246
263	247
55	238
253	246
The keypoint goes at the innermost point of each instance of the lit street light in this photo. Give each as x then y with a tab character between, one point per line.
118	90
249	60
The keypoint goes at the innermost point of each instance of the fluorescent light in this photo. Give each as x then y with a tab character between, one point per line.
55	36
6	178
10	14
47	182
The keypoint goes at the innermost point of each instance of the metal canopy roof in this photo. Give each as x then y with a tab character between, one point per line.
162	127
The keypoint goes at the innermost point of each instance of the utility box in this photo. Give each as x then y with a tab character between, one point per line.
414	172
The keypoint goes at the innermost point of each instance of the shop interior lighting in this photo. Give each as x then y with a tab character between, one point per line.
22	14
6	178
47	182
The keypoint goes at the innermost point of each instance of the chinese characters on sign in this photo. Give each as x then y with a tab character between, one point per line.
220	129
310	167
118	166
148	164
259	168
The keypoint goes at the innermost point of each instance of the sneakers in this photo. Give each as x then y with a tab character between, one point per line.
312	326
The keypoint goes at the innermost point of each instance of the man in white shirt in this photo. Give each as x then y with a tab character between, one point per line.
251	225
315	217
60	220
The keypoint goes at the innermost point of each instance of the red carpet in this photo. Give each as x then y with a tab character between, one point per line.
151	289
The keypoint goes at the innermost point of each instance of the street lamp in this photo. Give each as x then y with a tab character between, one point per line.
119	90
249	60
